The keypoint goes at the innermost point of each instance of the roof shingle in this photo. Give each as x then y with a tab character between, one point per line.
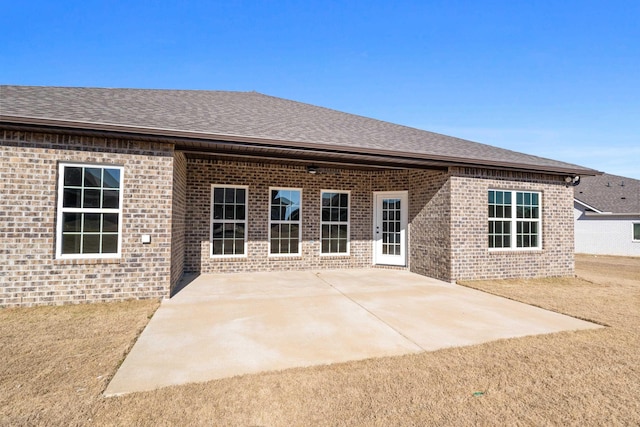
254	115
610	193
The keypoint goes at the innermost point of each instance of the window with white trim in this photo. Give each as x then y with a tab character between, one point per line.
636	232
89	211
228	220
334	222
285	221
514	220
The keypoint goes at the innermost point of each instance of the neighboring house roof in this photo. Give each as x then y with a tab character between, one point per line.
609	194
252	118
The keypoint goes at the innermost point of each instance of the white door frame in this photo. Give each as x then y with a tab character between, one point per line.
378	228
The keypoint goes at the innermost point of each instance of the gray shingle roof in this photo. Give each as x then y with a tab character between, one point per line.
610	193
254	115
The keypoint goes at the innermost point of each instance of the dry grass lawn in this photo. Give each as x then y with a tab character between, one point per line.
57	361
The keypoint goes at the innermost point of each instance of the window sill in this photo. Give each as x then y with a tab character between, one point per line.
86	261
284	257
228	257
516	251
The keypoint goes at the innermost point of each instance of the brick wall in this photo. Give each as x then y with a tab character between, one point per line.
259	177
471	258
168	196
29	273
429	224
178	218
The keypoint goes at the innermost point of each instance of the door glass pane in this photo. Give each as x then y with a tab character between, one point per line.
391	228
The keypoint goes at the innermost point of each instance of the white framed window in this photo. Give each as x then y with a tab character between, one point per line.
285	205
89	222
229	220
334	222
515	219
636	231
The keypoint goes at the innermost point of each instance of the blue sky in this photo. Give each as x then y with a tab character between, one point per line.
558	79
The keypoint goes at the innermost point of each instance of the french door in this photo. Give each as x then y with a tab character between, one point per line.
390	213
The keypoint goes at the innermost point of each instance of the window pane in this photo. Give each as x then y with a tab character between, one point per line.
325	246
217	211
71	198
241	212
71	222
109	243
218	231
111	178
92	177
70	243
217	247
228	212
294	197
91	199
241	196
91	244
110	223
326	199
275	213
229	195
239	247
294	214
344	214
275	197
342	246
218	195
110	199
238	231
91	223
72	176
344	200
275	246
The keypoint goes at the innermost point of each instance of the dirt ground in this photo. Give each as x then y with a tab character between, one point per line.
58	360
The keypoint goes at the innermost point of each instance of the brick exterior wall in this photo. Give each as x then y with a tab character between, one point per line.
259	177
168	196
178	218
471	258
29	273
429	224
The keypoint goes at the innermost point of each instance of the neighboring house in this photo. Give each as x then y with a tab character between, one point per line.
111	194
607	213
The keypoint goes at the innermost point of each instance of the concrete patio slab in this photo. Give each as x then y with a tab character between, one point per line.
222	325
